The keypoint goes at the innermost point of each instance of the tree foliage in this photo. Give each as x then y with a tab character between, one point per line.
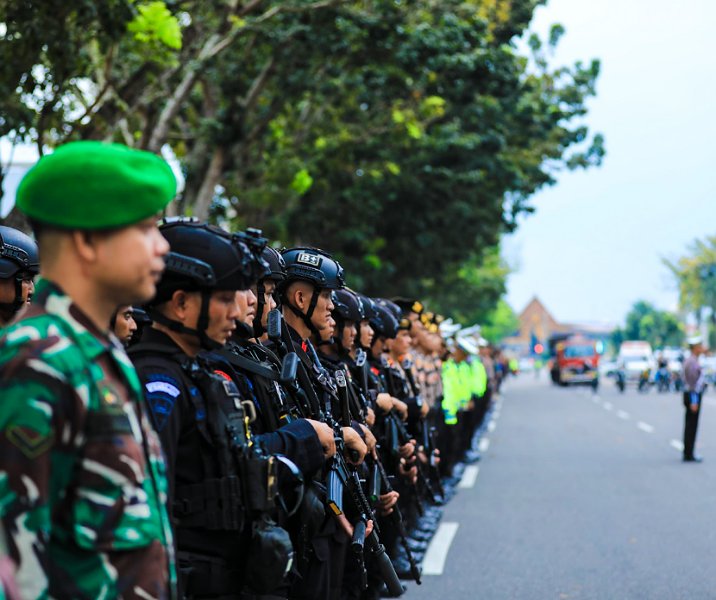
404	137
645	322
695	275
500	323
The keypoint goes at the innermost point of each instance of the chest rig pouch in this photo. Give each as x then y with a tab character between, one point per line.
270	555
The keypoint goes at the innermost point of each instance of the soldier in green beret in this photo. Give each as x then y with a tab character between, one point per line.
82	482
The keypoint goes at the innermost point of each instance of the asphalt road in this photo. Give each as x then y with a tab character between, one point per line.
583	496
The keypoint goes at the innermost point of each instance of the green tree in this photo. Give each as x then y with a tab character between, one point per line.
695	275
659	328
406	138
500	323
471	293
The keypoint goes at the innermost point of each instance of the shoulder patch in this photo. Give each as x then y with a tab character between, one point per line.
162	392
29	441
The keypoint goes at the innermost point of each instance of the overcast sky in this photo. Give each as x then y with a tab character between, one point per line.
594	245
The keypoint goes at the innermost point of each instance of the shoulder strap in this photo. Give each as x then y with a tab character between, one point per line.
246	364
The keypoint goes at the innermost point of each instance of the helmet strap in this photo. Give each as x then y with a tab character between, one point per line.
12	308
340	326
306	317
260	303
203	324
200	332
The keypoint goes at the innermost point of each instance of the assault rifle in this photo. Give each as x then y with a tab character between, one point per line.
341	476
378	481
399	436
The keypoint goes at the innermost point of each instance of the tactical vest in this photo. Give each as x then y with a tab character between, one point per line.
245	492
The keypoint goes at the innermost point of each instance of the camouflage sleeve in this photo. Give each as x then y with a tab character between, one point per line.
36	461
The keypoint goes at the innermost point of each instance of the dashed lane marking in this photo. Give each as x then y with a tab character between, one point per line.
491	426
469	477
484	444
622	414
678	445
595	399
608	406
645	427
436	555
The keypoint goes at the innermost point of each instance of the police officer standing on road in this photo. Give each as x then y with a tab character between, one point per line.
694	386
305	293
223	482
19	264
84	488
305	441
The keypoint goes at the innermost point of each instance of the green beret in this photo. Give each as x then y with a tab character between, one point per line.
93	185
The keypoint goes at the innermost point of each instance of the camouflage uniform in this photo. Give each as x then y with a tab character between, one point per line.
82	484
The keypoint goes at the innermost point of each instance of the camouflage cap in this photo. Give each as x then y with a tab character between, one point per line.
93	185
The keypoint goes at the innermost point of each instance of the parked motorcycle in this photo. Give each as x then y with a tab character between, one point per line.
644	382
620	379
662	379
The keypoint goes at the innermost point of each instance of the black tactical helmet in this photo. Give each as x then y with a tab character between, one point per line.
276	263
396	311
367	306
347	306
391	306
315	266
203	258
277	273
18	253
409	305
18	258
383	322
257	244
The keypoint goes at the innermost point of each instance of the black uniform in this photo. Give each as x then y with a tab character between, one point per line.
207	498
324	554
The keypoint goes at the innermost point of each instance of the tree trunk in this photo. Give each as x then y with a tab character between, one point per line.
208	187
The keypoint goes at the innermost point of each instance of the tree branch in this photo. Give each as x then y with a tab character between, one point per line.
213	46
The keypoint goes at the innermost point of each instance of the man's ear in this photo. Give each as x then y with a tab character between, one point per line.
85	245
178	304
297	295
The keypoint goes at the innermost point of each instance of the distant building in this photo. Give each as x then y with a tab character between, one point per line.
537	325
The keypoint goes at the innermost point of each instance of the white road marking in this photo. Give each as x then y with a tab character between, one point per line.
496	414
608	406
622	414
678	445
484	444
595	399
469	477
434	561
491	426
645	427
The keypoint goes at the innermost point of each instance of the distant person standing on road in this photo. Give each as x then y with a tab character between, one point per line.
694	386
